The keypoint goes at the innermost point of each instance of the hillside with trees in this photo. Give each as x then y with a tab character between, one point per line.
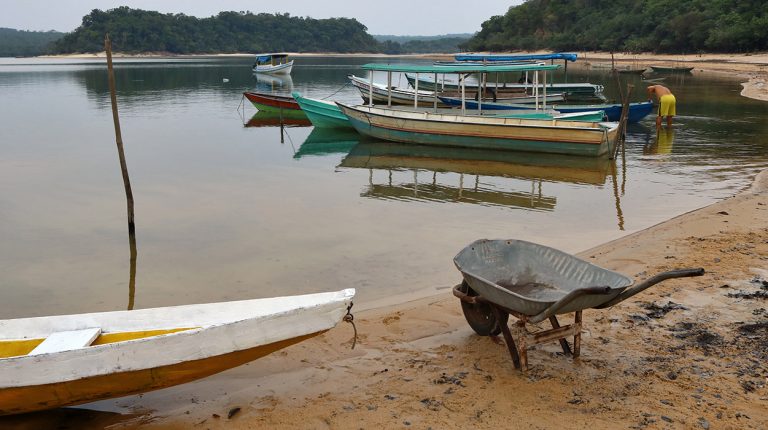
135	30
19	43
682	26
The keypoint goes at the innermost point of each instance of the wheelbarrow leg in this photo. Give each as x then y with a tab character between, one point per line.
563	342
577	336
507	337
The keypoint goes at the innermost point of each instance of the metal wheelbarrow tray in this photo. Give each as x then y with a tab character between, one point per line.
534	283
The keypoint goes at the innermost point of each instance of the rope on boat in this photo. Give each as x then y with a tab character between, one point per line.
337	91
241	113
351	319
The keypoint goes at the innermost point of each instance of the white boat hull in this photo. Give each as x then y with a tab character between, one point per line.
212	337
279	69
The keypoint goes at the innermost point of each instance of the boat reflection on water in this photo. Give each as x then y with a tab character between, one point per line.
276	119
326	141
471	165
282	84
662	144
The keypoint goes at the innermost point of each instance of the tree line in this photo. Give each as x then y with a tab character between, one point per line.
682	26
20	43
136	31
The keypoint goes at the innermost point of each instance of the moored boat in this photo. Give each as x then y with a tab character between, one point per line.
583	89
326	114
271	102
322	113
516	134
637	111
53	361
497	58
274	63
406	96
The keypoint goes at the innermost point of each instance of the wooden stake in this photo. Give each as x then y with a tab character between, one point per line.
124	170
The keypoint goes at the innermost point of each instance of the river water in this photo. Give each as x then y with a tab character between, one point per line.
230	206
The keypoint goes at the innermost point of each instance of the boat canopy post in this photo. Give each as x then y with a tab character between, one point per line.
463	96
435	96
536	89
566	70
544	103
389	88
480	93
416	92
370	91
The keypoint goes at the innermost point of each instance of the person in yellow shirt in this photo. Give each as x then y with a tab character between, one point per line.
666	103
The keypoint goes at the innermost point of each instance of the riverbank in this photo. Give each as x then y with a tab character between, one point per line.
687	353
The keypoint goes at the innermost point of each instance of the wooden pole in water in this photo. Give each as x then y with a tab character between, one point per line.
621	135
124	170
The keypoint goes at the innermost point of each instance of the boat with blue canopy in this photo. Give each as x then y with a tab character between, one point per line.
572	89
637	111
273	63
516	57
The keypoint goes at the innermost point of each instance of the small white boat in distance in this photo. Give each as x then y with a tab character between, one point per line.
273	64
53	361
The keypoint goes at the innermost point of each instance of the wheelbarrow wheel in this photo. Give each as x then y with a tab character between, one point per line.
480	316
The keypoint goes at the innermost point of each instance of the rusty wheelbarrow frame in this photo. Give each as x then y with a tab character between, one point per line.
535	283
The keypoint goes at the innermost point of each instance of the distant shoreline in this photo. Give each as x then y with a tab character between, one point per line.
751	67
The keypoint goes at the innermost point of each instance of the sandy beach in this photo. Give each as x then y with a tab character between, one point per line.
688	353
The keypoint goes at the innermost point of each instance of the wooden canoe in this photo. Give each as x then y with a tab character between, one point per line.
53	361
322	113
552	136
271	102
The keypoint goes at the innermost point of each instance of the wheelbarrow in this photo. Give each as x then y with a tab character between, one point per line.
535	283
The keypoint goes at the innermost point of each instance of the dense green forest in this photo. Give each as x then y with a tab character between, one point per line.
17	43
135	30
682	26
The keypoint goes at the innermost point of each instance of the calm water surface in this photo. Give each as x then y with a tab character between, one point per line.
228	207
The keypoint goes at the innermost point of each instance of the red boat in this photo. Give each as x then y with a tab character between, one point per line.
271	102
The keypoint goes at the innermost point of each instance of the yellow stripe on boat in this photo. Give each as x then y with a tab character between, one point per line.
15	348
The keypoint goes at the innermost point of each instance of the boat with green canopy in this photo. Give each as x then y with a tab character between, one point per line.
560	136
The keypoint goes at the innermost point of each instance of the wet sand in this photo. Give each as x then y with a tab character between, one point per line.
687	353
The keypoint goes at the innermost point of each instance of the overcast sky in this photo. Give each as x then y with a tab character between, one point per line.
399	17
